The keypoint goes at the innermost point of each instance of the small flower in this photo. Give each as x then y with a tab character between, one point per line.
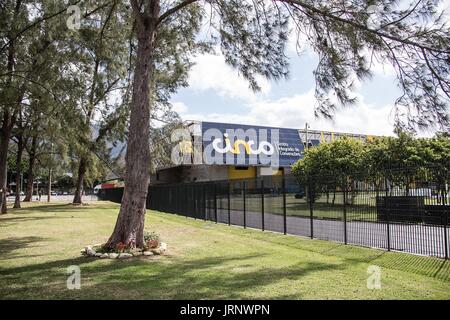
120	247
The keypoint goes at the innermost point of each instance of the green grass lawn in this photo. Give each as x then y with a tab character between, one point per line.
205	261
299	207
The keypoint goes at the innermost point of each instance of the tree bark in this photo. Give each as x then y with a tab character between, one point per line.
8	119
31	163
20	148
129	228
77	199
5	134
49	186
4	144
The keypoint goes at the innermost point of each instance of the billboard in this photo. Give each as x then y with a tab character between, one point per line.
236	144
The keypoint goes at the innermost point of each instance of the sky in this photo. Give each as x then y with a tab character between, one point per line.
217	93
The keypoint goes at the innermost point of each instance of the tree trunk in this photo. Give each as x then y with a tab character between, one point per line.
407	187
49	186
5	134
7	121
30	186
129	228
31	163
20	148
77	199
4	144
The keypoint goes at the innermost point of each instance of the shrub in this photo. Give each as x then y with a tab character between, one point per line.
151	236
152	239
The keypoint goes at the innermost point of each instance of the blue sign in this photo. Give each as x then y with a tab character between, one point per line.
236	144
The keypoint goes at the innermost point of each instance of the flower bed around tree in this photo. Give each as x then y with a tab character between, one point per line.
153	246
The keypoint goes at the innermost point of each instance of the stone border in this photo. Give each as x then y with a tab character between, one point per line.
88	251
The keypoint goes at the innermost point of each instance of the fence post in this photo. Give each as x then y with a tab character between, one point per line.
197	204
194	202
204	205
445	234
386	210
284	205
187	201
215	202
445	215
208	194
345	213
311	210
245	208
184	197
177	200
262	204
229	203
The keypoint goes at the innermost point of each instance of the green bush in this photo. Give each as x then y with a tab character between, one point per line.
151	236
152	239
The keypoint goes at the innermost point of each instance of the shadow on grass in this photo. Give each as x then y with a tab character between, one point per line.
421	265
428	266
60	207
9	245
46	208
5	220
203	278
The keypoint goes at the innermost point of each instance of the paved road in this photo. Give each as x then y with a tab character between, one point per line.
413	238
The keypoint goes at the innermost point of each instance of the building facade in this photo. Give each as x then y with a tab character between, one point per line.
209	151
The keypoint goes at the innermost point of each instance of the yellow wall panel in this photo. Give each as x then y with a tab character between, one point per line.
234	173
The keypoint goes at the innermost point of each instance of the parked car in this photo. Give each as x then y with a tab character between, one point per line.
300	195
13	194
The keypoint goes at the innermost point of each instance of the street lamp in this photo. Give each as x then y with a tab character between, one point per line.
306	136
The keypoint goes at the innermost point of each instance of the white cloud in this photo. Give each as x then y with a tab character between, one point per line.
212	73
179	107
295	111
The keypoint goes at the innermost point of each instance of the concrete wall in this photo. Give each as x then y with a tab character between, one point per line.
198	173
204	173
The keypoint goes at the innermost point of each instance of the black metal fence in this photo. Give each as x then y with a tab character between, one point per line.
382	212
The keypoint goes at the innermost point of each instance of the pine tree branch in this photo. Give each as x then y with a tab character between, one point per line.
402	18
49	17
357	25
174	9
55	97
37	22
440	80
